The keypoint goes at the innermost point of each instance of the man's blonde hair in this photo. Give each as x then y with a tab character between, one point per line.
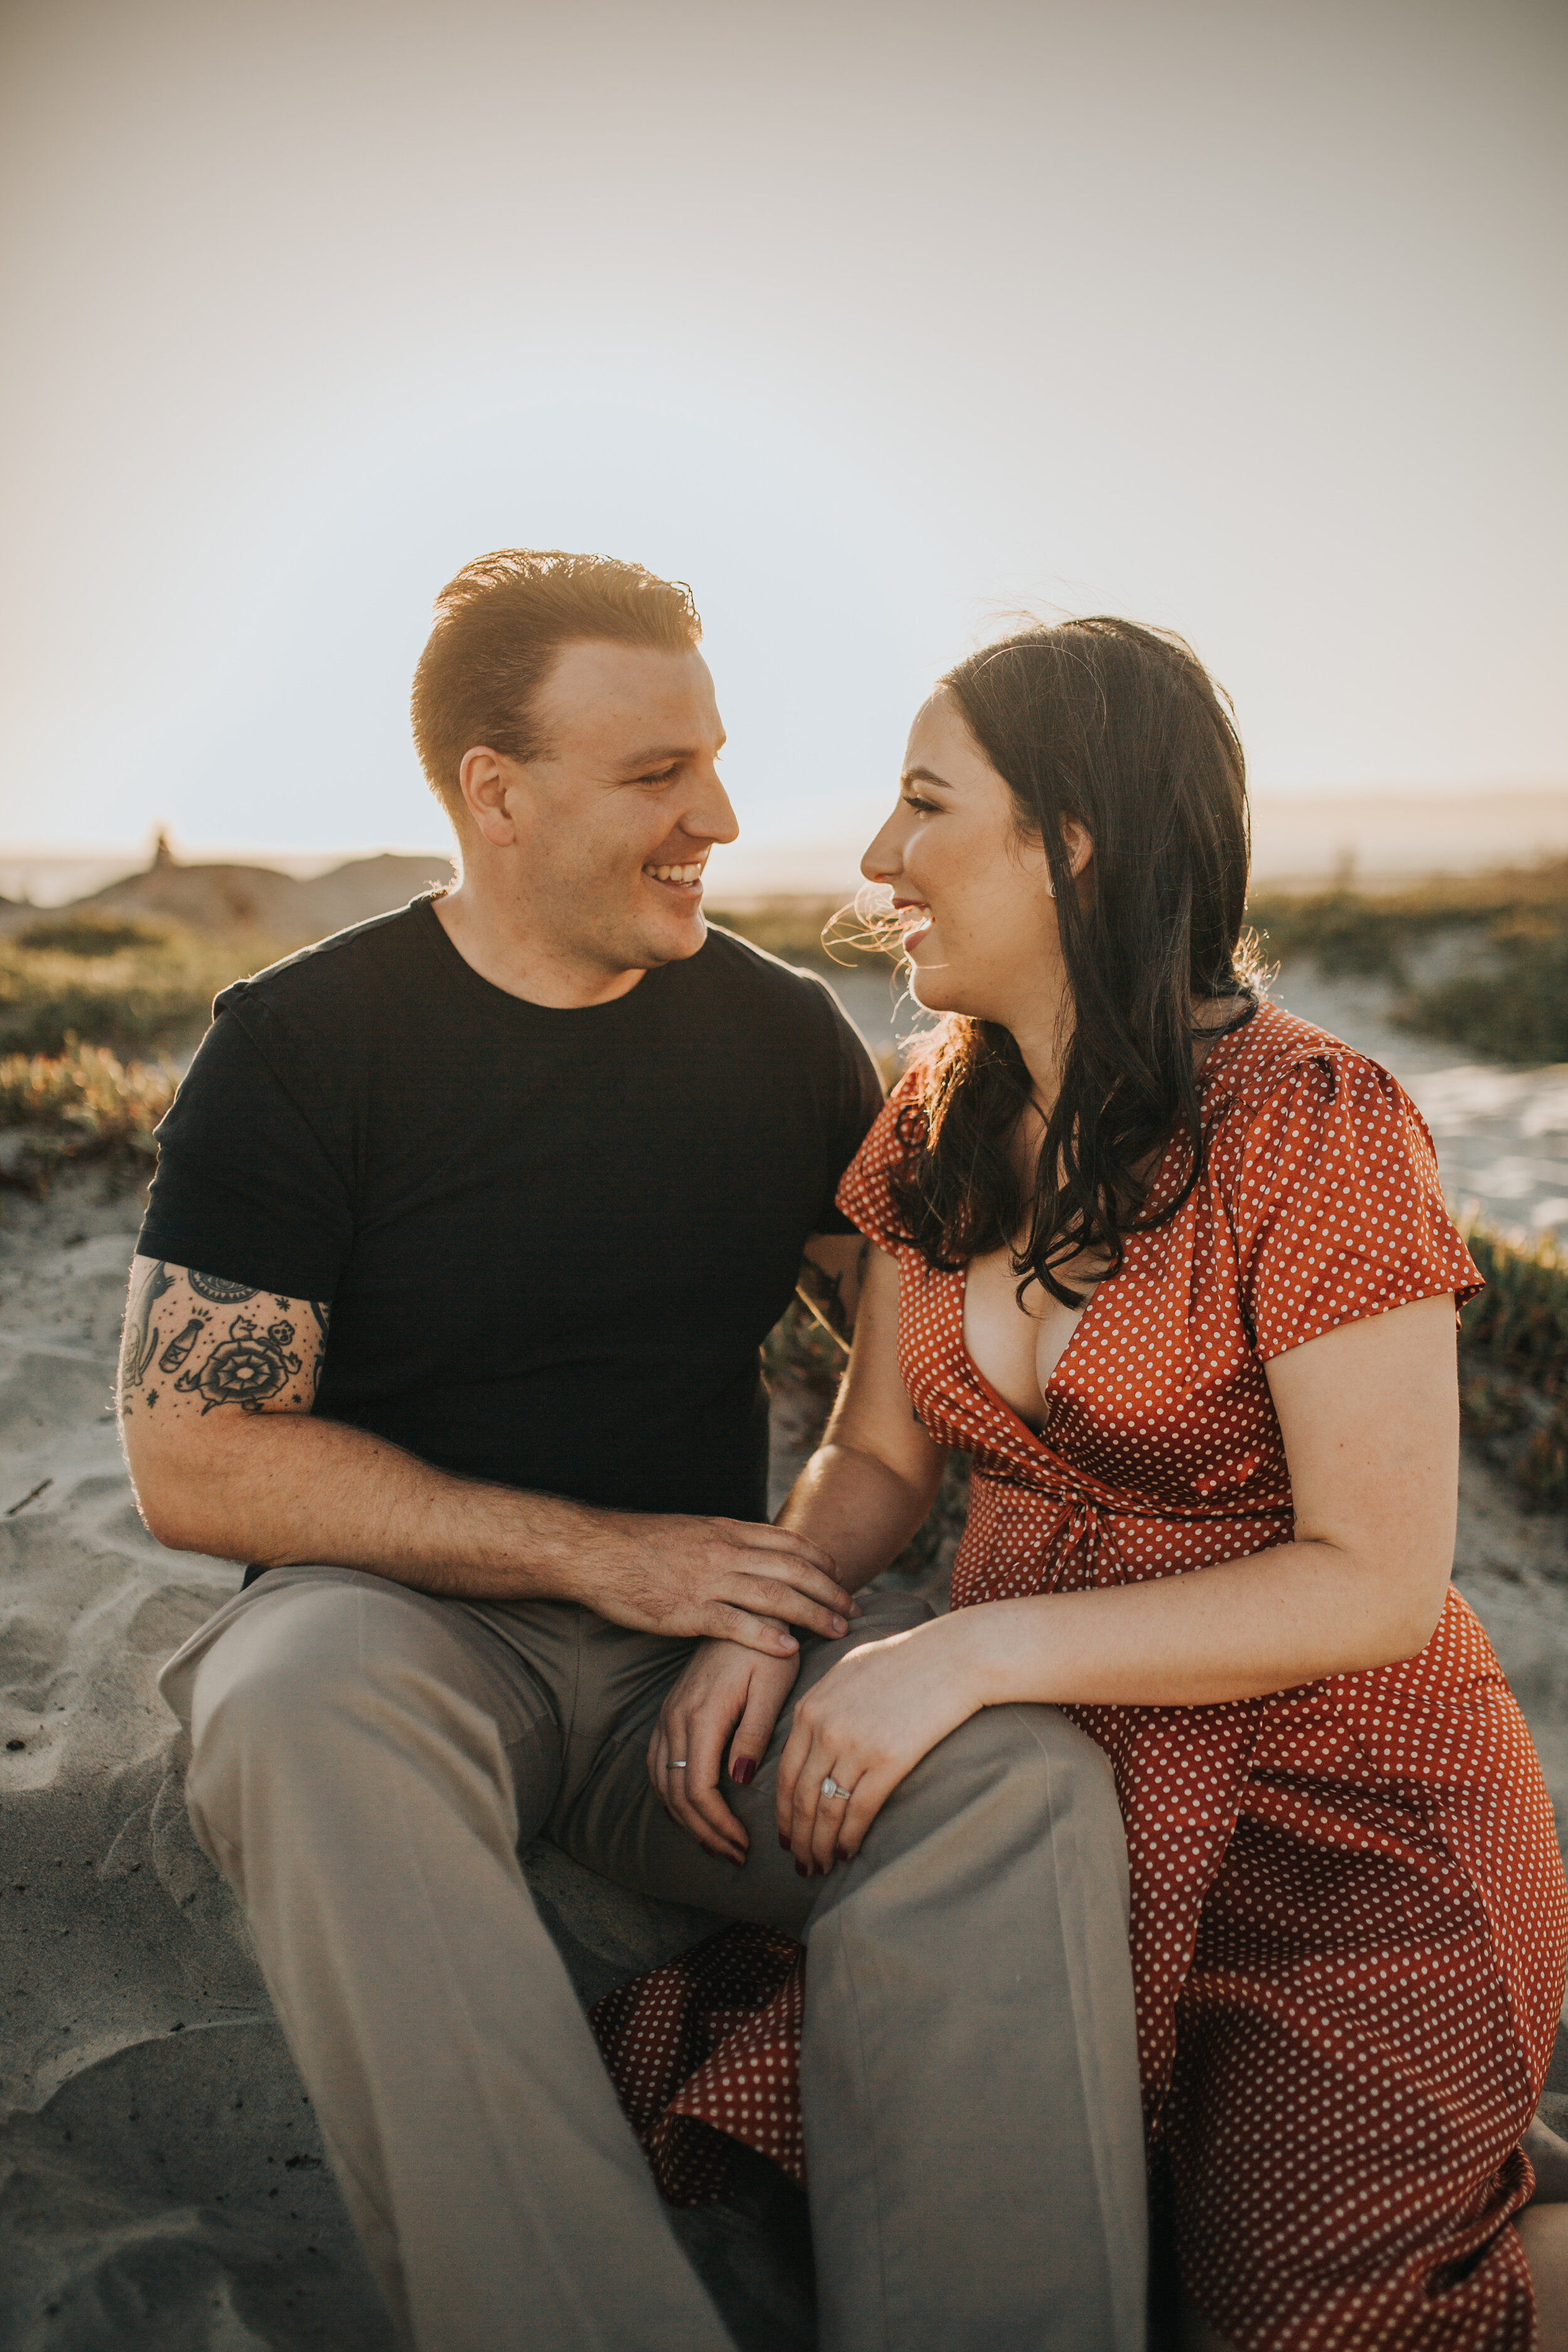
500	624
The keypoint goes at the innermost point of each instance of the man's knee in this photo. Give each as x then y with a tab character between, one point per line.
287	1666
303	1685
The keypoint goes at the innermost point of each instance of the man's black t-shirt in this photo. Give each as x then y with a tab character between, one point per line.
552	1240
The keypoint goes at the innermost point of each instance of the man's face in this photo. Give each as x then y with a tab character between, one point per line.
614	822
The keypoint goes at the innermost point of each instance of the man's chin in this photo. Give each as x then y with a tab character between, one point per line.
676	935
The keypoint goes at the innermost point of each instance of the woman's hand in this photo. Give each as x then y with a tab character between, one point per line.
725	1687
866	1725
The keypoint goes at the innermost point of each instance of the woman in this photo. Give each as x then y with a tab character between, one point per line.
1173	1268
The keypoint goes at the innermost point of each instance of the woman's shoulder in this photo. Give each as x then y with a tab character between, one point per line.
865	1192
1275	1053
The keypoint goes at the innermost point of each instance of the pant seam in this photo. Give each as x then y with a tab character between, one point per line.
1086	2041
874	2138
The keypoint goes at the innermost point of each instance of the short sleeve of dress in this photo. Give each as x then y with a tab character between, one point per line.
863	1192
1338	1212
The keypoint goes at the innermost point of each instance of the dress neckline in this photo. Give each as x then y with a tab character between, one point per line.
959	1280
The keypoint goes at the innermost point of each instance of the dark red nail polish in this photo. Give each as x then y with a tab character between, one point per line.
801	1871
845	1855
784	1842
743	1769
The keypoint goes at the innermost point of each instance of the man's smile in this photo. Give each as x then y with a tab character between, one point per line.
686	879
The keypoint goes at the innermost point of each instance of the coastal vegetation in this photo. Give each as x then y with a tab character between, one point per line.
81	1104
135	984
1503	937
1513	1363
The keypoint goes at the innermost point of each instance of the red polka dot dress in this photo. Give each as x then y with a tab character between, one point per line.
1348	1914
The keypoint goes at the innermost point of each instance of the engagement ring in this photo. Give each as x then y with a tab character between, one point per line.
830	1788
677	1763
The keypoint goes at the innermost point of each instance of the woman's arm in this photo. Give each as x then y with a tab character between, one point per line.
1370	1418
874	1477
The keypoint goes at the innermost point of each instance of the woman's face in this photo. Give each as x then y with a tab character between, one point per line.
973	894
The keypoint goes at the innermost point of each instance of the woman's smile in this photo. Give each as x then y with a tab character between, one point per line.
915	916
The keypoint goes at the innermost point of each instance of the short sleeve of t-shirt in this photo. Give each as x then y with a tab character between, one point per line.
250	1182
859	1100
1338	1212
865	1196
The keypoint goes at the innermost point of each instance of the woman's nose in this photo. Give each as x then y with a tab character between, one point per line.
882	862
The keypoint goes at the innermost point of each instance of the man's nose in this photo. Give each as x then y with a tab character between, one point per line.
710	816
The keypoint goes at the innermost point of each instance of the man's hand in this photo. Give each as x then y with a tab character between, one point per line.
725	1689
217	1385
726	1579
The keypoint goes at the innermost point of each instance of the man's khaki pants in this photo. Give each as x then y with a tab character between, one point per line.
368	1763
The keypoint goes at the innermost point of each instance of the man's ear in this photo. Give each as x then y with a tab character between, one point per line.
487	779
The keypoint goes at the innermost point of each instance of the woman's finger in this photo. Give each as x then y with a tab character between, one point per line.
753	1734
797	1747
694	1792
807	1806
871	1792
827	1826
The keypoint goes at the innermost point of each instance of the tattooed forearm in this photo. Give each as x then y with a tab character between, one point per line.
186	1322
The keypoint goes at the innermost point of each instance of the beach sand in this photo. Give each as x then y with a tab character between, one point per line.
162	2181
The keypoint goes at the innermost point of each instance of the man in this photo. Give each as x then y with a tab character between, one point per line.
466	1227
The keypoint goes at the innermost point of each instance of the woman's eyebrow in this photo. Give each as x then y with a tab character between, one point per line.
924	776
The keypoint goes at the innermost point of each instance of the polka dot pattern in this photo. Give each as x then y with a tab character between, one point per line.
1349	1915
703	2051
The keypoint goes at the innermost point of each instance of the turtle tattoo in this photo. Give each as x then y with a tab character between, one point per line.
246	1369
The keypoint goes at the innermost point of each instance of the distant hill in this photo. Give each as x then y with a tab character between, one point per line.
277	907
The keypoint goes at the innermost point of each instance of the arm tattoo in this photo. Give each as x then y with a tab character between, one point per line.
245	1369
215	1288
140	1343
244	1360
175	1354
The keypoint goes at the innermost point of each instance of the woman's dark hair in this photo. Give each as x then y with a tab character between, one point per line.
1120	729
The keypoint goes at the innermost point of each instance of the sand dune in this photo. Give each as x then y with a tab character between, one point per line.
256	898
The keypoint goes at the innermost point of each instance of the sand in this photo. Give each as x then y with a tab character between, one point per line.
161	2185
161	2182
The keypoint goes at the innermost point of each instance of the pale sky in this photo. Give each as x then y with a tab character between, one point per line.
875	323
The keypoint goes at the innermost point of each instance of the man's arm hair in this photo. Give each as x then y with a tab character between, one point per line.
216	1386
